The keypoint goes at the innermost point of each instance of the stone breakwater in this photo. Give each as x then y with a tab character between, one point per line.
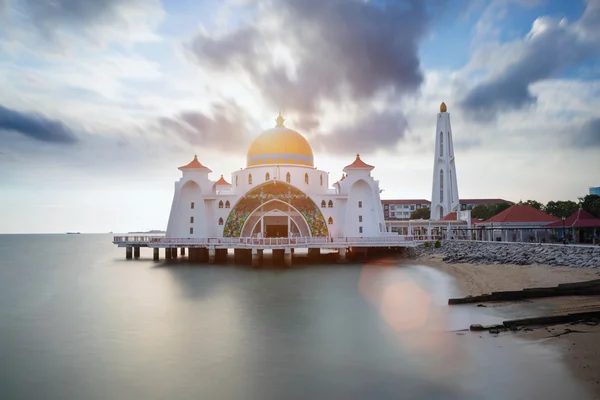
455	252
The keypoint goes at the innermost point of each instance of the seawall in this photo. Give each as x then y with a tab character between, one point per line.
454	251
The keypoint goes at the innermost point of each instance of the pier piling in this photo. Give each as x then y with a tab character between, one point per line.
287	257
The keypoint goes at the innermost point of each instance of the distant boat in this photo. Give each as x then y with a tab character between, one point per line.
73	233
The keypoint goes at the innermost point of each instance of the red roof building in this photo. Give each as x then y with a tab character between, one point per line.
579	219
407	201
450	217
518	214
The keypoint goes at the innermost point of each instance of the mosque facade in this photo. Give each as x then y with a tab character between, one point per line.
280	193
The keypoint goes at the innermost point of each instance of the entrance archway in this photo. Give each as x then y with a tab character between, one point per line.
306	213
275	219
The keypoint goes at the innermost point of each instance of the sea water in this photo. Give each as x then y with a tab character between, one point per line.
78	321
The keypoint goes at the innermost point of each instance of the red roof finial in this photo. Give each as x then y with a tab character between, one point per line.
194	164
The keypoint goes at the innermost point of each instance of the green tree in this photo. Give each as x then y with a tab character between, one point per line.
561	208
497	208
486	211
591	204
535	204
420	213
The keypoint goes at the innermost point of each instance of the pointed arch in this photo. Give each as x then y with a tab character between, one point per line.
249	179
330	204
267	176
288	178
330	221
441	144
221	221
236	180
323	204
275	190
227	204
321	177
306	178
220	203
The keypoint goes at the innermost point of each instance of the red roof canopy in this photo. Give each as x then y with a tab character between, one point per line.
222	181
453	216
194	164
522	213
579	219
358	164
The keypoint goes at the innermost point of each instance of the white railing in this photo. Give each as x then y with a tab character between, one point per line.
250	241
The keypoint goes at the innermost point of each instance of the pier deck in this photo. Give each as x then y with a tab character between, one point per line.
272	243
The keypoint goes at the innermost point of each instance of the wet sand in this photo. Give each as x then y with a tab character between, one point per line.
579	343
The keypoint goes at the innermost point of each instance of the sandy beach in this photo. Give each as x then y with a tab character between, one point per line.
579	344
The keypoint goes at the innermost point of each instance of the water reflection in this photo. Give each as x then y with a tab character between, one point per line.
118	329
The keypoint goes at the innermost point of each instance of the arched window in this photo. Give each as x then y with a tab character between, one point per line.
288	177
249	179
441	144
323	205
360	204
236	180
321	180
220	203
306	178
330	205
227	204
441	185
267	176
220	221
330	221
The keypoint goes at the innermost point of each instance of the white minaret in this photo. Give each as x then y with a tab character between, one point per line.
444	194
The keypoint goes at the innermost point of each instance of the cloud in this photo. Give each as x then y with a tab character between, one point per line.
224	128
299	54
35	126
95	20
377	130
550	48
589	135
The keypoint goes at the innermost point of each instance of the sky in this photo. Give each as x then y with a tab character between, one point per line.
102	100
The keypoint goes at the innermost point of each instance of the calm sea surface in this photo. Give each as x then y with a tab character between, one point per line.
78	321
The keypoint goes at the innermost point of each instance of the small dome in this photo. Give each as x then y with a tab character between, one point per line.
279	145
443	107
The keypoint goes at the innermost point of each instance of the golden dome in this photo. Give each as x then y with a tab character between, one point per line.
280	145
443	107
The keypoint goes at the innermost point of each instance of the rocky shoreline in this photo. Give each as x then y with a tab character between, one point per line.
459	252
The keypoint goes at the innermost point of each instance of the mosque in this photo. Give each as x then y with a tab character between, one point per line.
280	193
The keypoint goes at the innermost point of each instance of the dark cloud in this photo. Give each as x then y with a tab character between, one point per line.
75	12
589	135
35	126
378	130
554	47
224	128
341	48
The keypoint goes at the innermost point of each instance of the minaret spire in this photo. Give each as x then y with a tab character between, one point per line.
444	194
